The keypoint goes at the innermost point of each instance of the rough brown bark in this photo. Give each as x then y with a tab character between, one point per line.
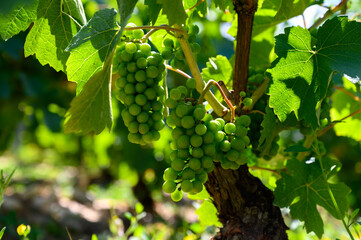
245	206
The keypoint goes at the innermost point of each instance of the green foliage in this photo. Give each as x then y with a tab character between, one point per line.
208	214
343	105
4	182
17	18
52	31
174	11
310	69
2	232
219	69
91	110
153	9
92	46
126	8
306	185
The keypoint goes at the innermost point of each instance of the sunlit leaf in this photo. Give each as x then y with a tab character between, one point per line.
207	214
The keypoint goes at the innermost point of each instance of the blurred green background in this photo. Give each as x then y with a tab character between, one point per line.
103	184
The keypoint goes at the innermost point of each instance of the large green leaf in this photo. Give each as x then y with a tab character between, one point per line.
174	11
126	8
91	47
153	10
218	68
16	17
302	72
76	10
207	214
223	4
91	111
344	104
304	186
2	232
273	12
51	34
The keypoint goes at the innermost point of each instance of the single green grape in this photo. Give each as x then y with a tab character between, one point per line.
169	186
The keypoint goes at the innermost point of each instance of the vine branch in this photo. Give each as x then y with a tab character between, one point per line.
328	14
178	71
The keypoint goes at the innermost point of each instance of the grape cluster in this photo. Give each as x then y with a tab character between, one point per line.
198	142
232	140
172	51
140	70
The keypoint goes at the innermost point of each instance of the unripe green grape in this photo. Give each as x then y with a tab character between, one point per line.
134	109
150	82
129	88
230	128
241	131
199	113
207	118
226	164
148	137
170	121
181	110
242	159
187	122
183	153
147	107
196	140
121	82
129	100
133	127
188	174
201	129
191	83
156	135
247	102
220	136
208	138
192	38
126	115
209	149
170	174
140	87
161	68
190	132
130	78
152	72
143	117
121	95
176	196
242	94
178	164
244	120
169	186
138	33
202	177
140	76
195	163
238	144
167	53
175	94
152	61
122	70
221	122
225	146
150	93
179	55
125	56
186	186
183	90
211	168
246	140
157	106
143	128
207	162
214	126
197	187
158	125
142	63
138	54
168	42
183	142
134	137
145	48
176	133
132	67
131	47
156	116
140	99
197	153
232	155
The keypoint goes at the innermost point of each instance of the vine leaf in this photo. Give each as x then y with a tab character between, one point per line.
301	73
343	105
126	8
153	10
16	17
92	46
273	12
304	186
76	10
50	35
218	68
207	214
223	4
2	232
90	111
174	11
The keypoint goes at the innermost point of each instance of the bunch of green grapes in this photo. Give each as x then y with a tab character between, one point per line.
231	141
140	70
172	51
193	143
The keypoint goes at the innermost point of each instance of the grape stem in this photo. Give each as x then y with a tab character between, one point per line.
207	88
225	90
177	71
347	92
334	123
257	111
218	108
